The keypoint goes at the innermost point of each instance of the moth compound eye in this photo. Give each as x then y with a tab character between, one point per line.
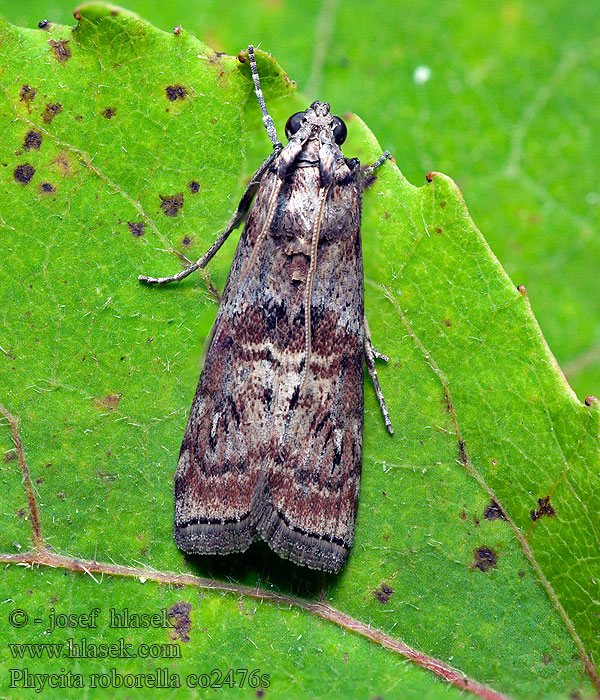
339	131
293	124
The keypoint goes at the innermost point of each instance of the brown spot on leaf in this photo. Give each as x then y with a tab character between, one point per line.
61	495
137	228
463	515
439	229
60	49
33	139
547	659
442	204
179	614
109	112
171	204
216	57
50	111
110	401
260	693
521	574
20	513
462	452
484	559
194	187
175	92
9	456
383	593
186	241
27	94
62	164
447	322
24	173
47	188
493	512
544	508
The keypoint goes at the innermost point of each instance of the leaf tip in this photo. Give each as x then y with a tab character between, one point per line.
101	10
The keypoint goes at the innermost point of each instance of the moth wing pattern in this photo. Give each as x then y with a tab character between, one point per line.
221	453
313	464
259	457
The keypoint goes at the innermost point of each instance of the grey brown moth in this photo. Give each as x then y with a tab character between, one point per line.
273	443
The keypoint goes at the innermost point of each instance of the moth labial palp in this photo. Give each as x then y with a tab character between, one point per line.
273	445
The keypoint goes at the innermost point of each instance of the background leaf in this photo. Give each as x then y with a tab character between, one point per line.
101	372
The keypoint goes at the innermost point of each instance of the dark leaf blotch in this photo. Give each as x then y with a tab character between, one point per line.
544	508
179	614
175	92
60	49
383	593
171	204
137	228
24	173
485	559
494	512
27	93
50	111
33	139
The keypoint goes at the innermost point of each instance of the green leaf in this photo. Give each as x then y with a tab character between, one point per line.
476	539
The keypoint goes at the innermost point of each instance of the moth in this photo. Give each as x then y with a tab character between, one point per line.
273	443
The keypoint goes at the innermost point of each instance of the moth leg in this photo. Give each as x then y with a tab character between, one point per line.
370	355
382	158
238	216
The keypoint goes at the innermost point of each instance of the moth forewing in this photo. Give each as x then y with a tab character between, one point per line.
273	443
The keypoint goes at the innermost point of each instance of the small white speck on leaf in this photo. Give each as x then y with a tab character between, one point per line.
421	74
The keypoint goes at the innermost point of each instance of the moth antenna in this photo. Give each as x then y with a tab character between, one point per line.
266	118
309	285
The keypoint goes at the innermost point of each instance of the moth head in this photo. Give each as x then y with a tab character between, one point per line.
319	118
